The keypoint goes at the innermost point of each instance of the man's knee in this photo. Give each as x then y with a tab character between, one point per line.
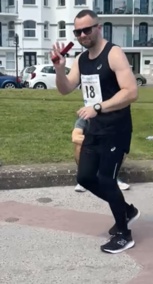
108	186
84	179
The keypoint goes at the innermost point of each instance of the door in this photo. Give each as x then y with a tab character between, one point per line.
143	34
30	58
134	61
107	31
0	34
107	6
146	61
128	36
47	76
129	7
0	25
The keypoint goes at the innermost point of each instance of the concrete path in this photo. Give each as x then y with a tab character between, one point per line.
52	235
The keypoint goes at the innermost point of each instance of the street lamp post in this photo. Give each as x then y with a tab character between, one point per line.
16	53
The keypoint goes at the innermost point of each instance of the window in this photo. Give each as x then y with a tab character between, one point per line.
10	60
46	29
77	53
10	2
49	70
61	2
147	62
62	29
11	29
80	2
46	3
46	57
29	2
29	28
107	31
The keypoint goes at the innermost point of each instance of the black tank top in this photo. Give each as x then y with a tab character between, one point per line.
113	122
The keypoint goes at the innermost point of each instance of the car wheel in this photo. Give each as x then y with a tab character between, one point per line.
40	86
139	82
9	85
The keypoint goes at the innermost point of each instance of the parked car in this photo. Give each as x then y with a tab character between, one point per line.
9	82
141	80
26	74
42	76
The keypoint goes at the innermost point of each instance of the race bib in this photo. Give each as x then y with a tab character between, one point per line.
91	90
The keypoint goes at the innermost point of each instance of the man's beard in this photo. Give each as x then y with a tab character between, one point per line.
88	45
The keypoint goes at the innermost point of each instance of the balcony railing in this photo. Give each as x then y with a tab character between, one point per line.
125	41
143	42
119	7
5	41
123	36
8	9
143	7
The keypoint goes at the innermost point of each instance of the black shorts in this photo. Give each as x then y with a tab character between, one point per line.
123	140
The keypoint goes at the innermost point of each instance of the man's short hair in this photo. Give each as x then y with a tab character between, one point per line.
86	12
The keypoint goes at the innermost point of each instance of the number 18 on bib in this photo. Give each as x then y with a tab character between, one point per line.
91	89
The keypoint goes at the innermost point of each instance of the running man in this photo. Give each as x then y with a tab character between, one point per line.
109	87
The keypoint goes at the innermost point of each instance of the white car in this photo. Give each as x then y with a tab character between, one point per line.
42	76
25	75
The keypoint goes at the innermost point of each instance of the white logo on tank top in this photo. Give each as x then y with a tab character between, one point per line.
99	67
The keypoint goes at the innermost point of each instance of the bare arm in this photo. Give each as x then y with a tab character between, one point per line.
126	80
65	83
77	136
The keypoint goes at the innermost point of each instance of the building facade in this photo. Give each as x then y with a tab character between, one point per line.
40	23
129	24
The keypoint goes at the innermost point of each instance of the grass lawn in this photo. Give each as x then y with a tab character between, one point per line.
36	125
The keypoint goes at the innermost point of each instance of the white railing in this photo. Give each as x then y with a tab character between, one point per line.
6	41
8	9
123	7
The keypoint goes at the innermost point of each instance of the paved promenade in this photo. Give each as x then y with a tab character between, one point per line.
52	236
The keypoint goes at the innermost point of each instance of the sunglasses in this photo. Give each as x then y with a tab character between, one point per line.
86	31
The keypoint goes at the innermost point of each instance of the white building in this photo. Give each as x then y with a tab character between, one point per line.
40	23
129	24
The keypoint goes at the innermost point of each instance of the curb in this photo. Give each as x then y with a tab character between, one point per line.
64	174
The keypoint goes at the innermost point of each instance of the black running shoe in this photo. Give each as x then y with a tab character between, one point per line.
132	216
119	243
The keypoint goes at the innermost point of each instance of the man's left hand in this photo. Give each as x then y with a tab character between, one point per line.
86	112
